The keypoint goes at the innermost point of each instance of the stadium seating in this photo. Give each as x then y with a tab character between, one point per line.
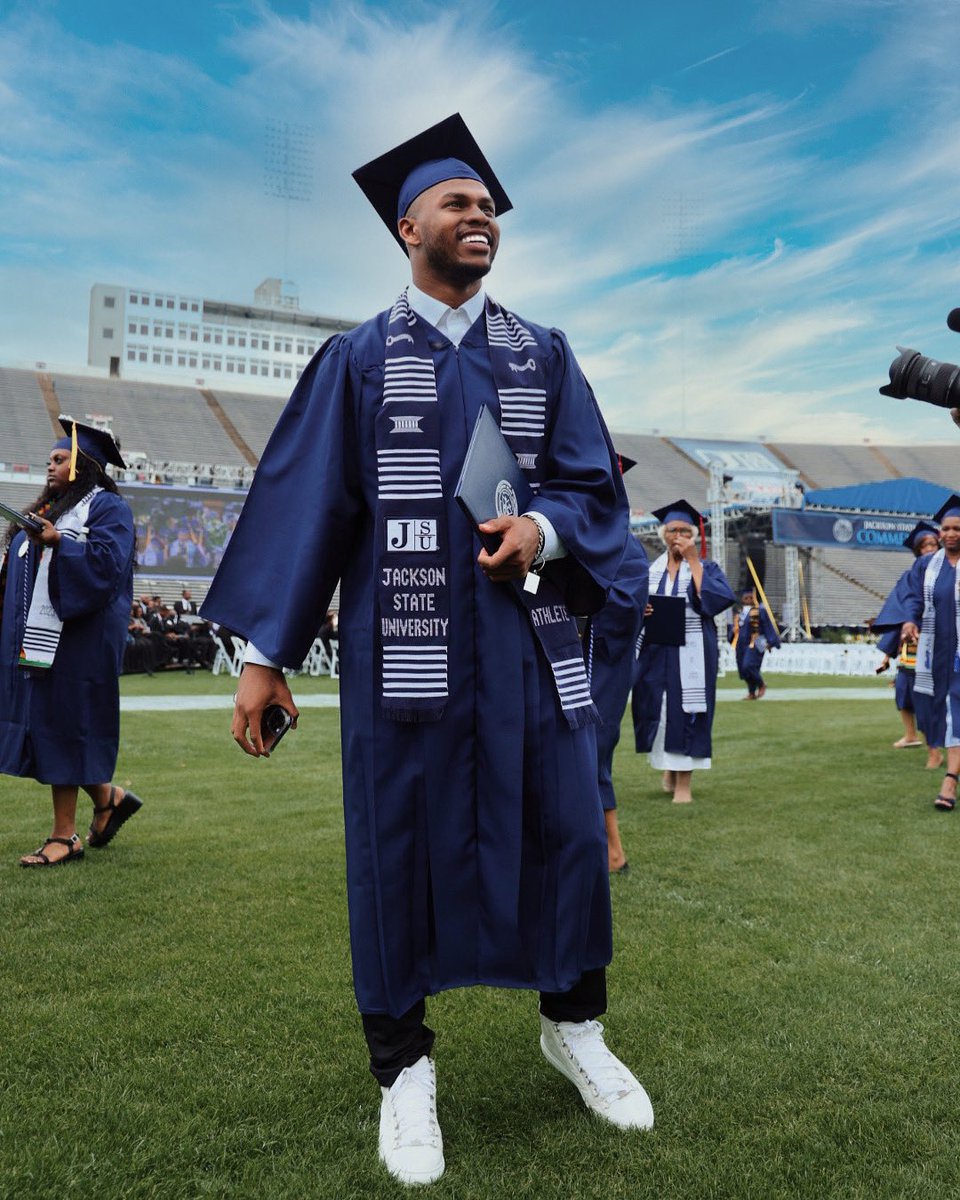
253	416
27	429
833	466
160	421
176	424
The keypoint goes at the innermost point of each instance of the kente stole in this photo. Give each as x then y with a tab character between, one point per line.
42	626
693	673
411	525
923	682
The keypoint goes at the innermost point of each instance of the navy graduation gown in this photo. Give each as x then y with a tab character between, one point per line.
476	850
613	659
905	603
658	673
62	725
750	658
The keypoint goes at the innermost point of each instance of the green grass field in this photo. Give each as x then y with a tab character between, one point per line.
178	1019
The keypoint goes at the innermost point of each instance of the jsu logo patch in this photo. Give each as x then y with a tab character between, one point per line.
416	535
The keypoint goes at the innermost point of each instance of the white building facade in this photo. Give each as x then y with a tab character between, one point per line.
136	333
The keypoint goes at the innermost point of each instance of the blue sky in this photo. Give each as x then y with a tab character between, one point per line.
734	210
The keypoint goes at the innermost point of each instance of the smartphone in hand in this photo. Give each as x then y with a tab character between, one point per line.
274	723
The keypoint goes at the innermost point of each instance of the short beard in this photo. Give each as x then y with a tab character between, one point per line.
458	275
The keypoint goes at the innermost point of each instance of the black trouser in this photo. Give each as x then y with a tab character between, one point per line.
397	1042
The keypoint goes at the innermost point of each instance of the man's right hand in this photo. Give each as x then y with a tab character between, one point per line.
258	687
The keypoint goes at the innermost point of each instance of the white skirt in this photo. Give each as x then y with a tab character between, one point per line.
665	760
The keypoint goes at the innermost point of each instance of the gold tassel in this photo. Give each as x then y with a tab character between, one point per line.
73	452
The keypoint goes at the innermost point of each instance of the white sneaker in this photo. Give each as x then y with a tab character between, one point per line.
577	1050
411	1146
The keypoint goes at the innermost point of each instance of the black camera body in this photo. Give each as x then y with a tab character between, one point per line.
916	377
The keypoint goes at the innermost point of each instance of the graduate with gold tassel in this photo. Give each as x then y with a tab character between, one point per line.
752	632
66	586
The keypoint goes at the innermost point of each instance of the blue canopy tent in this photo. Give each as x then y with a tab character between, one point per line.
864	516
914	497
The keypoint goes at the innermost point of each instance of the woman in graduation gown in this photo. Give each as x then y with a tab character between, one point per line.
675	690
66	594
922	540
926	607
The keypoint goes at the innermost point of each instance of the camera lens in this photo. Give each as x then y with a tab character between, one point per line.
916	377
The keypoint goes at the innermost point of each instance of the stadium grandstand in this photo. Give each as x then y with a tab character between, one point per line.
192	452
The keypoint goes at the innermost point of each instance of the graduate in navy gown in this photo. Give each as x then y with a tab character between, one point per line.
752	633
925	605
67	587
676	686
612	658
475	841
922	539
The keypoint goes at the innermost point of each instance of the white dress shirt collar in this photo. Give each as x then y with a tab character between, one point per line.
453	323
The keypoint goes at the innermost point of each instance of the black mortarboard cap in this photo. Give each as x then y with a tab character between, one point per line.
625	463
951	508
98	444
918	531
678	510
392	181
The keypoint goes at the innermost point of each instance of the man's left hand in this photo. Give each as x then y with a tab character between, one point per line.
521	537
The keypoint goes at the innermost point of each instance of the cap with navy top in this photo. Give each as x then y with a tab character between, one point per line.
447	150
98	444
678	510
950	509
921	530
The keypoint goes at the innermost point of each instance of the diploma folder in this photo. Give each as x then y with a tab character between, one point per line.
10	514
666	625
492	482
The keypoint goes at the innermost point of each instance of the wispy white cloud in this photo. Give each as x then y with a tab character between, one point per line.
736	266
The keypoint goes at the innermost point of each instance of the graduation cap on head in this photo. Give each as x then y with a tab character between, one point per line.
625	463
446	150
98	444
951	508
682	510
678	510
920	530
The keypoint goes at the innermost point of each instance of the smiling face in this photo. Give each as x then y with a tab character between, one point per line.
58	470
451	234
928	544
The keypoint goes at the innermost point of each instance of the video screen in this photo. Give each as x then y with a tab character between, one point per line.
182	532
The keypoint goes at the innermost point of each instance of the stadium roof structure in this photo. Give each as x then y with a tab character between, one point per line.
913	497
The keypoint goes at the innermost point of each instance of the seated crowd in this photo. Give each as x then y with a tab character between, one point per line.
163	638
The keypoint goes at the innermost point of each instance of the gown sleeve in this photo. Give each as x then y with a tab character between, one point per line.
85	576
582	495
715	593
905	602
769	632
300	519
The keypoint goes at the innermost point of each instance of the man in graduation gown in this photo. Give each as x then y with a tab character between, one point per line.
752	633
474	834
